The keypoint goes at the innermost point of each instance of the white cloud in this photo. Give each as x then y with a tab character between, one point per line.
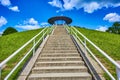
71	4
91	7
15	8
56	3
5	2
112	17
8	4
3	21
28	27
68	5
88	6
29	24
44	24
116	5
32	21
102	28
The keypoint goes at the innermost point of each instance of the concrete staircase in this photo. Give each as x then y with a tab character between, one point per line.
59	60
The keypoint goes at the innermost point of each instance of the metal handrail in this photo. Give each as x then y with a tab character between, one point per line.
43	32
76	32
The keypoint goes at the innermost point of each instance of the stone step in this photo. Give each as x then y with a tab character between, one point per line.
60	36
60	45
59	69
50	46
59	58
60	39
60	48
58	55
60	63
59	51
56	38
60	76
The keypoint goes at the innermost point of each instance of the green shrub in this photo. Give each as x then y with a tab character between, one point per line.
9	30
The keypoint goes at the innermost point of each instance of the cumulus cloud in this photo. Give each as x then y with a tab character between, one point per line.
15	8
112	17
56	3
71	4
91	7
44	24
88	6
5	2
102	28
3	21
8	4
28	27
29	24
32	21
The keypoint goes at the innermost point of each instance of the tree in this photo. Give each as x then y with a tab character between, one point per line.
9	30
115	28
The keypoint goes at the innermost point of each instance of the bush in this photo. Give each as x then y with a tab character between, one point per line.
115	28
9	30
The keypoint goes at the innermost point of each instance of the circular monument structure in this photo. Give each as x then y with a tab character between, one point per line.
60	20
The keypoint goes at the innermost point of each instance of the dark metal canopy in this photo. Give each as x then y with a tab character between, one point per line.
66	19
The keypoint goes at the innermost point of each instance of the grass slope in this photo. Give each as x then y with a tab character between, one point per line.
10	43
108	42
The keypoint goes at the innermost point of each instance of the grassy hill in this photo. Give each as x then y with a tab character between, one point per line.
10	43
108	42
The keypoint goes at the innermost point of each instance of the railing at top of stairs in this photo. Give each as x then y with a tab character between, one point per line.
41	35
75	33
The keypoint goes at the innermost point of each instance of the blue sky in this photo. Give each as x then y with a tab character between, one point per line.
33	14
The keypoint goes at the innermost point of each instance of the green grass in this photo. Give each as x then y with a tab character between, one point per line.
9	44
108	42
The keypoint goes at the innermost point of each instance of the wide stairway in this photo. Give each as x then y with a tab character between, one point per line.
59	60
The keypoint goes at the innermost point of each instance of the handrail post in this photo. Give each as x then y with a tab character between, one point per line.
43	35
0	73
52	30
33	47
75	33
118	71
48	31
70	30
84	45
